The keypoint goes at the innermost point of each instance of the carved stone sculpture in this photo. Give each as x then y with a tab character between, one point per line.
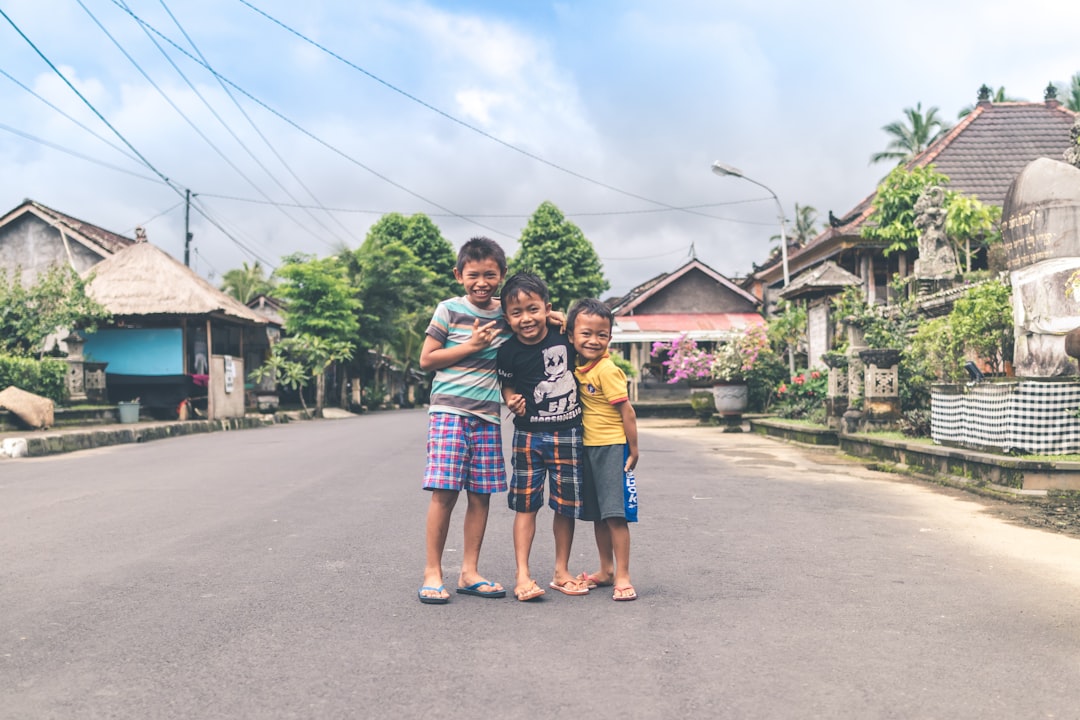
1072	154
937	259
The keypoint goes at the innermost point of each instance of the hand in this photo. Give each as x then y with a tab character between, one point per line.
631	461
516	403
557	319
483	336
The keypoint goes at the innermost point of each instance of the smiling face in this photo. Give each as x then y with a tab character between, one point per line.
527	315
591	336
481	279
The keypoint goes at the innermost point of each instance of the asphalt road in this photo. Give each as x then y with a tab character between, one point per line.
272	573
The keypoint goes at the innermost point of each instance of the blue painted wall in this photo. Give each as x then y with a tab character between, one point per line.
138	351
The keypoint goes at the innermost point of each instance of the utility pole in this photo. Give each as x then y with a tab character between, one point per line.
187	232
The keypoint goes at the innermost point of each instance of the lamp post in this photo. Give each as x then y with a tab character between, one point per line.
721	169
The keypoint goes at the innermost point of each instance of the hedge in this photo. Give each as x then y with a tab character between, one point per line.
41	377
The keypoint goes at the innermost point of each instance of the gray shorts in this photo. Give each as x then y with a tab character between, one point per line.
604	480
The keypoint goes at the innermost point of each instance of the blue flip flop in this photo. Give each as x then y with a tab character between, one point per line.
474	589
428	600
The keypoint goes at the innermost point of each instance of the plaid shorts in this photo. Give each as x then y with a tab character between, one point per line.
553	456
464	452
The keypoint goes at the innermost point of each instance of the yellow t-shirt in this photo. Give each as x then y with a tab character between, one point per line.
601	386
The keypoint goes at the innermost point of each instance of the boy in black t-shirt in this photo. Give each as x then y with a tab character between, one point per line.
536	368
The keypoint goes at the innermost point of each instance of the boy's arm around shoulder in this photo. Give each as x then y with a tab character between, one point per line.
434	355
629	423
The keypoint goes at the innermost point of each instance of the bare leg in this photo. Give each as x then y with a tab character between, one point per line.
438	524
620	542
476	517
563	529
524	532
606	573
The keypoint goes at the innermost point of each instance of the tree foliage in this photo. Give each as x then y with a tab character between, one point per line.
893	219
1070	93
297	360
247	282
423	237
56	300
968	221
321	302
555	249
397	292
913	136
983	321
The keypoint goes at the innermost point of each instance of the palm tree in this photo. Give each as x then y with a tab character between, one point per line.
997	96
912	138
1071	93
805	225
247	282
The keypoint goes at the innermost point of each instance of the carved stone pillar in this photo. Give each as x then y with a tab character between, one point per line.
881	390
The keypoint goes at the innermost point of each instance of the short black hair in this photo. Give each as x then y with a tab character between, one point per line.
524	283
479	249
589	306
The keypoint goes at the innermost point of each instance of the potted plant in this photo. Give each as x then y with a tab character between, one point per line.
726	367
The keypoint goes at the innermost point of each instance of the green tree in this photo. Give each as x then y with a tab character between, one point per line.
247	282
805	225
787	330
968	222
56	300
983	321
322	310
1070	93
555	249
298	359
913	136
423	237
893	218
396	292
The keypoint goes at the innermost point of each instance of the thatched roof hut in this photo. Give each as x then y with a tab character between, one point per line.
143	280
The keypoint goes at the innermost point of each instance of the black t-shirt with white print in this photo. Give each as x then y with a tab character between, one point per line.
544	374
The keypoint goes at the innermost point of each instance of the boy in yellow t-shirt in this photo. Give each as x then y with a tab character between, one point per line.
611	446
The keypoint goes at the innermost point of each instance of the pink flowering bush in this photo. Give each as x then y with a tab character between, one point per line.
731	361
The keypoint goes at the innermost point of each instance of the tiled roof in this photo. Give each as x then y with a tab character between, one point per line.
826	276
109	240
649	288
981	156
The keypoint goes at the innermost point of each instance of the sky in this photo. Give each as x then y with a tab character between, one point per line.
296	126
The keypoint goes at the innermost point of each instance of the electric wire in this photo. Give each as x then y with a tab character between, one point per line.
461	122
258	132
318	221
75	153
182	114
309	134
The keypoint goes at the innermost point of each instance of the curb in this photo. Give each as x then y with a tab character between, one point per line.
63	441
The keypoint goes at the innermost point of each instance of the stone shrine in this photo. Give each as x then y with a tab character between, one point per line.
1040	229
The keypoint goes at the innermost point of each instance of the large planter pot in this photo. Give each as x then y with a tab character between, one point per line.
880	357
731	398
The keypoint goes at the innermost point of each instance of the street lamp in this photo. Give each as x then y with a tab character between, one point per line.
721	169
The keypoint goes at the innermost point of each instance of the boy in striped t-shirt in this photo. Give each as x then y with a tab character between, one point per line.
464	443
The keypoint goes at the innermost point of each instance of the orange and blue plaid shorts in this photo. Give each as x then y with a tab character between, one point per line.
551	456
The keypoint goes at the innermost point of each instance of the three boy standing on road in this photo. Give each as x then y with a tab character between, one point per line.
472	343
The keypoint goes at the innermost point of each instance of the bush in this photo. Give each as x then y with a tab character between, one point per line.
803	395
41	377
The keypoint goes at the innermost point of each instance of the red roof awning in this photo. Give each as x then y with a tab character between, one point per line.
700	326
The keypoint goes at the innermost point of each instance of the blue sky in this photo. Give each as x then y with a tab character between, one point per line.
612	110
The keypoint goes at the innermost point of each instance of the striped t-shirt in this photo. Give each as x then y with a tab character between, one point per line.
471	387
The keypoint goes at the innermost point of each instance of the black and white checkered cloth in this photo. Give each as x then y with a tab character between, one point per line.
1025	416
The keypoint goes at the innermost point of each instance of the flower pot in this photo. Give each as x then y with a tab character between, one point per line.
880	357
128	411
731	398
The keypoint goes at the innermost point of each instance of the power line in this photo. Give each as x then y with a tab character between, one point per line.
457	120
308	133
240	142
77	154
181	113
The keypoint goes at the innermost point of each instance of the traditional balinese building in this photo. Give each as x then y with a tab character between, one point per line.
981	156
693	300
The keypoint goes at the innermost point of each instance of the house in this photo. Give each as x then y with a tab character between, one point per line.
34	238
981	156
692	300
174	336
